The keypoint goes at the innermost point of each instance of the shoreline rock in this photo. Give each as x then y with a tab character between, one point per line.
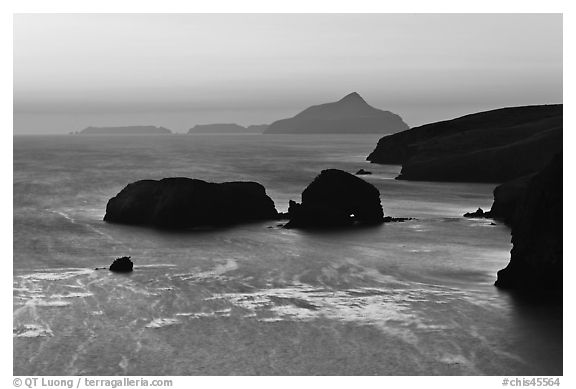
390	219
536	262
492	146
507	198
479	214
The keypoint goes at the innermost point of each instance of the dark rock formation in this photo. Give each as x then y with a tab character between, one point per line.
536	260
492	146
362	172
390	219
497	164
336	199
179	203
126	130
122	265
350	115
478	214
225	128
507	198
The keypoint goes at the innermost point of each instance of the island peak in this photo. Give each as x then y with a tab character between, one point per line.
349	115
352	97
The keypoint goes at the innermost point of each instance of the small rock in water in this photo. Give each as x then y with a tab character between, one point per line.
122	264
479	213
362	172
390	219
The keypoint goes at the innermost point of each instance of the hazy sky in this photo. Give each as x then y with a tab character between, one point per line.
177	70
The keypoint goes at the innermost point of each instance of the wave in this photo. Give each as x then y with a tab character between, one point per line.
52	275
162	322
31	331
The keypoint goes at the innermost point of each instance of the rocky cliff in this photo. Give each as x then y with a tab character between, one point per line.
536	256
492	146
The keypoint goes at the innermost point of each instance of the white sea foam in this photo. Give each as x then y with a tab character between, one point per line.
50	303
54	275
31	331
72	295
65	216
162	322
157	265
196	314
216	273
387	309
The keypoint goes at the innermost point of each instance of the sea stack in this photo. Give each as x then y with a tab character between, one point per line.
122	265
181	203
336	199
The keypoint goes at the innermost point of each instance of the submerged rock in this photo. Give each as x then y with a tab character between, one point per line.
536	257
362	172
336	199
122	265
179	203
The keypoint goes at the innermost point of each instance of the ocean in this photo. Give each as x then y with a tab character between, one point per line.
411	298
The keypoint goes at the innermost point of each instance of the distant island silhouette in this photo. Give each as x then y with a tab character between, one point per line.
125	130
226	128
349	115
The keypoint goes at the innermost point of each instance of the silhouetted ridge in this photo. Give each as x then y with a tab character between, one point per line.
349	115
352	97
125	130
492	146
226	128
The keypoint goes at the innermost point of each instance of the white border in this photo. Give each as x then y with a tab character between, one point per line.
247	6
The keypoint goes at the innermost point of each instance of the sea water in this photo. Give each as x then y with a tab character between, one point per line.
412	298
